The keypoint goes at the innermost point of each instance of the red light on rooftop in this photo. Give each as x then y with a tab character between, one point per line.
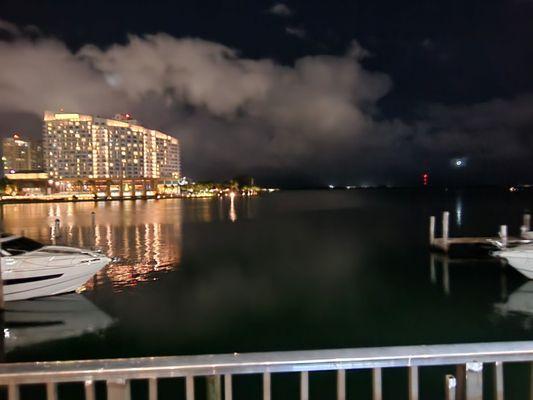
16	136
425	178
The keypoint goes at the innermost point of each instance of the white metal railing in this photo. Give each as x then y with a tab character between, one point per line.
117	373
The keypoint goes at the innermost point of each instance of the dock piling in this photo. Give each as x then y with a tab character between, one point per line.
450	385
93	228
432	230
503	235
527	221
57	228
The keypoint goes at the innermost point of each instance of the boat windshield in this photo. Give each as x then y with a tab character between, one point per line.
20	245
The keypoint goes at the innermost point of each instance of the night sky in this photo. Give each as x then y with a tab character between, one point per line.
293	92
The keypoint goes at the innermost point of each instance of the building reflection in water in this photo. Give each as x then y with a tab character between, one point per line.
145	236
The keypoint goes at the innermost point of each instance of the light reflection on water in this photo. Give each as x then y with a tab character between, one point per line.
145	239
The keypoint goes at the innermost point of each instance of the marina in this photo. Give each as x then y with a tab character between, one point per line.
176	251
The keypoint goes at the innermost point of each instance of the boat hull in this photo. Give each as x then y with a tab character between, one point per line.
519	259
55	270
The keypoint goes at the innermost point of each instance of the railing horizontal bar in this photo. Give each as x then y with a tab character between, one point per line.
247	363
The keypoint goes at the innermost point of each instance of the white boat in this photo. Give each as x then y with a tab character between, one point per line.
31	269
30	322
519	257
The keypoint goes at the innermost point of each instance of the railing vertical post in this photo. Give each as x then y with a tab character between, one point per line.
431	230
152	389
304	385
89	390
51	391
445	229
1	297
341	384
266	386
498	380
118	389
213	387
13	392
228	387
189	387
450	386
376	384
474	381
413	383
530	381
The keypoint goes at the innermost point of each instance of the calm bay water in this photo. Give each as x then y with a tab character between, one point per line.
286	271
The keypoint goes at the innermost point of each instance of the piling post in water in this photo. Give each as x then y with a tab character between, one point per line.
526	222
503	235
431	230
93	227
450	385
57	228
445	229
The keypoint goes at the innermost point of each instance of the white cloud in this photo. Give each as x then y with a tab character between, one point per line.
280	9
295	31
231	113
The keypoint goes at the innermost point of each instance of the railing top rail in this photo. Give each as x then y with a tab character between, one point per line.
246	363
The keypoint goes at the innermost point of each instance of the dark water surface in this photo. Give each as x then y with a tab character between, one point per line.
287	271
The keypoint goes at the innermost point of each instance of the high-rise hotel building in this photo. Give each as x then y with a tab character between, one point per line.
89	147
19	154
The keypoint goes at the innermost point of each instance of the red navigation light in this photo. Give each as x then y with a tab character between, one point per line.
128	116
16	136
425	178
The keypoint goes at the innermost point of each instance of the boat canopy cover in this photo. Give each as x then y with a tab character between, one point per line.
15	245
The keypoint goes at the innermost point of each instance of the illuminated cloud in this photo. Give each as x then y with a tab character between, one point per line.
316	118
294	31
280	9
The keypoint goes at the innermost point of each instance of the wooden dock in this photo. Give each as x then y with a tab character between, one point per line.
445	243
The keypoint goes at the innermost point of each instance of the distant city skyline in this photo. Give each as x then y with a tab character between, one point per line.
20	154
